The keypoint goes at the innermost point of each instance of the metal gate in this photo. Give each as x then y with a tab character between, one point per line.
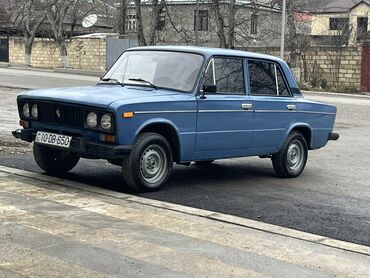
115	47
365	68
4	49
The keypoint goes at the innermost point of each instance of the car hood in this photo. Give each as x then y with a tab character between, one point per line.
97	96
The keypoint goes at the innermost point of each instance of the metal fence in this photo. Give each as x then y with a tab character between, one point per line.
115	47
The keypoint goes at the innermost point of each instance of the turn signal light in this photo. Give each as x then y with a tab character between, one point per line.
107	138
128	115
24	123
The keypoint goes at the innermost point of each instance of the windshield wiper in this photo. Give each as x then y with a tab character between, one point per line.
145	81
116	81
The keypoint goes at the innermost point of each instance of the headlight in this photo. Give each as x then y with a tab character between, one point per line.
34	111
26	110
92	120
106	121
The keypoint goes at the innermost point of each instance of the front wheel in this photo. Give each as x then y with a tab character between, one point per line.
290	161
54	161
149	165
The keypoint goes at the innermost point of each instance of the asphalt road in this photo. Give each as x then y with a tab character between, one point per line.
331	197
34	79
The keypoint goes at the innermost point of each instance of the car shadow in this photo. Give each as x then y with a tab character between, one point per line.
220	173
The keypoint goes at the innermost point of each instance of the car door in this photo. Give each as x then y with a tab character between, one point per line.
274	106
224	118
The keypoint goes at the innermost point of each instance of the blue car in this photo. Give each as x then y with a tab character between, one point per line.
160	105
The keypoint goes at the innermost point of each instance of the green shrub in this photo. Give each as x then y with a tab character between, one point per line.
346	89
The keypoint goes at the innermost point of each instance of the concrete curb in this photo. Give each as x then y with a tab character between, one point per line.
230	219
336	94
56	70
80	72
16	87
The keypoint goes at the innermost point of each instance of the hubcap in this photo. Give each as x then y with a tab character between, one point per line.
153	164
295	156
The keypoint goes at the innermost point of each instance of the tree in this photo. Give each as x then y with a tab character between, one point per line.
31	24
293	40
25	16
220	23
121	17
56	12
139	24
154	23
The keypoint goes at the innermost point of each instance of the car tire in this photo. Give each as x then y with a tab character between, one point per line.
54	161
290	161
149	164
204	162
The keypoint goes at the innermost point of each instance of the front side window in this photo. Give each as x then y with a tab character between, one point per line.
164	69
266	79
227	74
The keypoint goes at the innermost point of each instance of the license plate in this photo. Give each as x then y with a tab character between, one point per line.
53	139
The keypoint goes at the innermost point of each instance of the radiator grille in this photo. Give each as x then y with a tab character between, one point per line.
62	114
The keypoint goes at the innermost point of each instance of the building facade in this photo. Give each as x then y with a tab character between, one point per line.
343	22
256	23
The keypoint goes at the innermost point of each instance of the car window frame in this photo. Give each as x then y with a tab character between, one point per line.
197	80
278	66
207	63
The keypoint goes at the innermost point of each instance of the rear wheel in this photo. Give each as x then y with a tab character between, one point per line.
54	161
290	161
149	165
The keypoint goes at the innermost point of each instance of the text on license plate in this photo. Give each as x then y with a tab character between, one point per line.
53	139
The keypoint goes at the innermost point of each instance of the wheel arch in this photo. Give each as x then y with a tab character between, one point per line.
168	130
305	130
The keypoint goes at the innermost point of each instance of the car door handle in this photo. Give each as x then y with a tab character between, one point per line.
247	106
291	107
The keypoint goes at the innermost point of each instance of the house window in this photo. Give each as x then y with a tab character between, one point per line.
339	23
254	28
203	20
131	23
362	26
161	20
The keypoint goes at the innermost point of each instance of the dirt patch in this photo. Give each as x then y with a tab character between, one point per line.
14	147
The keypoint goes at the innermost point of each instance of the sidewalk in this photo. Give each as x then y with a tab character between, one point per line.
51	227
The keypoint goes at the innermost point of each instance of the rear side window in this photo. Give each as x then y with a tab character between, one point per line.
227	74
266	79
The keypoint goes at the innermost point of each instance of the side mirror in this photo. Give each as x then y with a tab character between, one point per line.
209	88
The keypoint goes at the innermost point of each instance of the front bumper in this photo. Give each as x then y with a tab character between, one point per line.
81	146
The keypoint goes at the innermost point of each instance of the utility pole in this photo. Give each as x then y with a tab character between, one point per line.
197	23
283	21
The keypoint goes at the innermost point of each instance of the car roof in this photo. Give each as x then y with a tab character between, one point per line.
208	51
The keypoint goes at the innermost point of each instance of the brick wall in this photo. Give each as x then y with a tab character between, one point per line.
327	67
88	54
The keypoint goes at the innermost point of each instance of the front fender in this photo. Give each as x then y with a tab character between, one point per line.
156	121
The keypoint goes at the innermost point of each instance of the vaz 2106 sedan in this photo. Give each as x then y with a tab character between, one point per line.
160	105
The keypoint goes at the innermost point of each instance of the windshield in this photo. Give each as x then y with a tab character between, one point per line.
162	69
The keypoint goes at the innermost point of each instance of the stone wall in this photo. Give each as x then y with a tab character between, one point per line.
327	67
321	67
87	54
